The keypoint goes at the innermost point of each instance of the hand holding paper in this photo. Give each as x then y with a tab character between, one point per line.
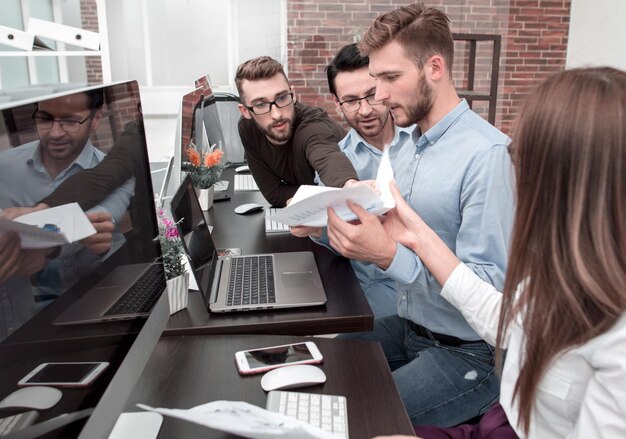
68	223
310	203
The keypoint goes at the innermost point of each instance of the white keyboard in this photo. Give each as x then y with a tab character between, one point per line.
245	182
274	226
328	412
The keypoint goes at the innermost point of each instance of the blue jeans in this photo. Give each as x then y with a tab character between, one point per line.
439	384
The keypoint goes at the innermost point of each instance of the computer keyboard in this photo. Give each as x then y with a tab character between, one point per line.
274	226
141	297
14	423
251	281
245	182
328	412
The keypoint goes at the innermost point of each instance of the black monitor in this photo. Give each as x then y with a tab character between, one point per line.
38	138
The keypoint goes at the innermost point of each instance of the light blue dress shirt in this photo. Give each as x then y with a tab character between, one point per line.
25	182
378	287
462	187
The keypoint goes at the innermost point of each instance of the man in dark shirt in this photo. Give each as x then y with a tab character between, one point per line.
285	141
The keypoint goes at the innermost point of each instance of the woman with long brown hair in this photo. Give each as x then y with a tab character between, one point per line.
561	316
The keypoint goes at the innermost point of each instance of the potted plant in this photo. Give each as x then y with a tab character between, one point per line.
205	169
173	258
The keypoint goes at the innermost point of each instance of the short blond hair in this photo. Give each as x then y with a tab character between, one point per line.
422	32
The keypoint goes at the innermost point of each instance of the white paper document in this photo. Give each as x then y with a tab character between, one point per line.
70	220
247	420
310	203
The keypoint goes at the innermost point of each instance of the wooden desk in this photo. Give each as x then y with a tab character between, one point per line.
184	372
346	310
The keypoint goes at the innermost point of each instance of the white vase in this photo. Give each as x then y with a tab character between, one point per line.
205	196
178	292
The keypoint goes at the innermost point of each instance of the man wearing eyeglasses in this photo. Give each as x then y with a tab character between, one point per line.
33	171
285	141
372	128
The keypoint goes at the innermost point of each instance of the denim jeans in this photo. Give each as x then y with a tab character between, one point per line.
439	384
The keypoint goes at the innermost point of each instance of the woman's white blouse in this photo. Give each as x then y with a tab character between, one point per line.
583	393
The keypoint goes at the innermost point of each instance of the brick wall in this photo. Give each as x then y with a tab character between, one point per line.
534	42
89	19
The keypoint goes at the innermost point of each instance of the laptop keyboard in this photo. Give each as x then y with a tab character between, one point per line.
245	182
141	297
274	226
251	281
328	412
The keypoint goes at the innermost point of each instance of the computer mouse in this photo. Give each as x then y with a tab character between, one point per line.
289	377
243	168
33	397
247	208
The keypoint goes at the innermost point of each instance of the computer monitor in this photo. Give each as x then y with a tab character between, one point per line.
36	137
199	120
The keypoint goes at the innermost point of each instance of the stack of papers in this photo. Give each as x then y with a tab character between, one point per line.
310	203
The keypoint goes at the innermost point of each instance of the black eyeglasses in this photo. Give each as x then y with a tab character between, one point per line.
351	105
265	107
44	122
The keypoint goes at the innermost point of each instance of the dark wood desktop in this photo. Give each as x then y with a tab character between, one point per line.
346	310
184	372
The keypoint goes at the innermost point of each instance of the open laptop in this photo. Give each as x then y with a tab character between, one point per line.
295	278
129	291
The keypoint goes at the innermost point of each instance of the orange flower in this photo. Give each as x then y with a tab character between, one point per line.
213	158
193	156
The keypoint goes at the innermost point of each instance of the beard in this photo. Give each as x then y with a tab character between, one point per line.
373	130
278	136
420	109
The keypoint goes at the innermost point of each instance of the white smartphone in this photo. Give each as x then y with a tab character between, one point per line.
264	359
64	374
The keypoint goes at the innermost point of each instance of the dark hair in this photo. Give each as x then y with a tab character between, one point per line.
262	67
567	270
347	59
95	98
423	32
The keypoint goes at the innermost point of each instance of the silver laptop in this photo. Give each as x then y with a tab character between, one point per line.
243	283
129	291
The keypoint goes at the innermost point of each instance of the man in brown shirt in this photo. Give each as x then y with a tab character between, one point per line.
285	141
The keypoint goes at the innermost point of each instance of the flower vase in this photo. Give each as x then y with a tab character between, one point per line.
178	292
205	196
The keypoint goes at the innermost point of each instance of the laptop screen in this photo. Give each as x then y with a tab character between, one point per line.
195	235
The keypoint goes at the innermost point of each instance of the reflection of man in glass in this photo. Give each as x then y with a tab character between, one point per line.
31	172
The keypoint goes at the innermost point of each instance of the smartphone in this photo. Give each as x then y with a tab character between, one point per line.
264	359
64	374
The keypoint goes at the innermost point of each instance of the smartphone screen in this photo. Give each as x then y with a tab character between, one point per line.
278	355
63	373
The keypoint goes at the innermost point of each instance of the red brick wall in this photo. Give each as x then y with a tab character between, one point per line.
534	41
89	18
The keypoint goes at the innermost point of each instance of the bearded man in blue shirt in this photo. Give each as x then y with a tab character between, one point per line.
460	184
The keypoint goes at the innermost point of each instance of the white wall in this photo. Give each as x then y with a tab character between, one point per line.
597	34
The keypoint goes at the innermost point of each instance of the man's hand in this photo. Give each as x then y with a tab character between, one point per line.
13	212
364	241
368	183
305	231
100	243
14	261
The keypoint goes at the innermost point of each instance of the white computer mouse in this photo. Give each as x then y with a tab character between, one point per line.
33	397
243	168
247	208
289	377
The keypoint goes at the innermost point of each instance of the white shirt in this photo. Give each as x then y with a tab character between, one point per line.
582	394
